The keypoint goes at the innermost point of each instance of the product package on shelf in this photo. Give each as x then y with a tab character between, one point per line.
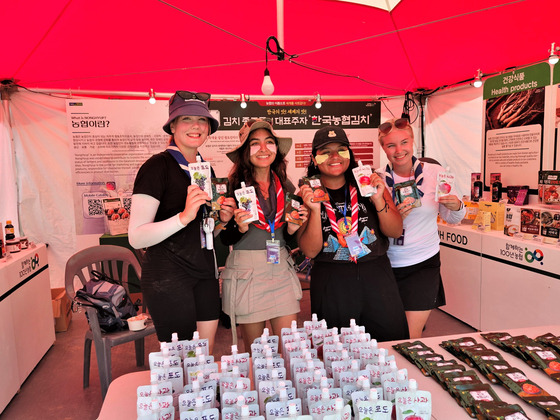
497	211
550	224
530	221
512	223
549	187
471	210
518	195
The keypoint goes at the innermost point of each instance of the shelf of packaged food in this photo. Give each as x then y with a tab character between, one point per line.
26	317
494	281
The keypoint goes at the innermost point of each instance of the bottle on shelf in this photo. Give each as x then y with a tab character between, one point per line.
477	188
9	229
496	182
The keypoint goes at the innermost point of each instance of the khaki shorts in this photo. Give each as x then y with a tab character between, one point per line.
254	291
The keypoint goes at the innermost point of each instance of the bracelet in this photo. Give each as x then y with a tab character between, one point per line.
460	206
385	207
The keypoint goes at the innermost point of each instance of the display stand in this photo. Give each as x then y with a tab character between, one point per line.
26	317
493	281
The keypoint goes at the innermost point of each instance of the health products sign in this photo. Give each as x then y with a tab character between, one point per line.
514	116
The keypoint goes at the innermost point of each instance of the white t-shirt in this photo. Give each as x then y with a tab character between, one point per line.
421	238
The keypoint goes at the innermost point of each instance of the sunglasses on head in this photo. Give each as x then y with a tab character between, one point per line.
252	121
388	126
186	95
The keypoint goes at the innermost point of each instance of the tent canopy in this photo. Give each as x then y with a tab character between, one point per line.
219	46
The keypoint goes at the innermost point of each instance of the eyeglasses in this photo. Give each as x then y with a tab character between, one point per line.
186	95
252	121
388	126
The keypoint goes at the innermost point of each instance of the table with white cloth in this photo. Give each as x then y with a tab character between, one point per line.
120	401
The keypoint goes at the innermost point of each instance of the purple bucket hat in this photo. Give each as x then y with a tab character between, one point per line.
190	103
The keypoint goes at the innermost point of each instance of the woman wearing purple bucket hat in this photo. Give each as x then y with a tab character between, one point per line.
179	281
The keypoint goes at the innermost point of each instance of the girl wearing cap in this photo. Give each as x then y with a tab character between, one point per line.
179	279
255	290
415	255
347	236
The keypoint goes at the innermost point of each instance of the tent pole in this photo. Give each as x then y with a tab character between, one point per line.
216	97
280	22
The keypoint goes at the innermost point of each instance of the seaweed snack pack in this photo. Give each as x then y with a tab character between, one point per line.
247	200
319	191
201	173
407	193
362	174
292	204
445	184
219	192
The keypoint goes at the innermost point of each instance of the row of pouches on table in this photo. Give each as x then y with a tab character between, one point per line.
479	399
295	385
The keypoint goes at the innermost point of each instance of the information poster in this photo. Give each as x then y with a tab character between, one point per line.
556	82
514	117
111	139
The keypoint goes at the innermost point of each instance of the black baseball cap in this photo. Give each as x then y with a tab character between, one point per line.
329	134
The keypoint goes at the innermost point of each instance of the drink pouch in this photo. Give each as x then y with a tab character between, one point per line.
445	185
247	200
201	174
292	204
319	192
362	174
219	192
407	193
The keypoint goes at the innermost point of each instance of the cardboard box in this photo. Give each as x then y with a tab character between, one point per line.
512	223
62	309
497	210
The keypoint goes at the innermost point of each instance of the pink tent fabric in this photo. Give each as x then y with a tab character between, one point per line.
219	46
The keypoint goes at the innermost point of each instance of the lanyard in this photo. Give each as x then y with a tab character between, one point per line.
271	225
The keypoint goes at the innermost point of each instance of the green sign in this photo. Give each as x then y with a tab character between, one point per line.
517	80
556	74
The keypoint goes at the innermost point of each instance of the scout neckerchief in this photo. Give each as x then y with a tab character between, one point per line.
269	226
178	156
418	176
353	228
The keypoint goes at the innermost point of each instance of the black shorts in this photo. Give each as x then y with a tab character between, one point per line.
366	292
176	300
420	285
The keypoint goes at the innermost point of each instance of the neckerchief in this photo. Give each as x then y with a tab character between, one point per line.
418	176
263	224
178	156
353	210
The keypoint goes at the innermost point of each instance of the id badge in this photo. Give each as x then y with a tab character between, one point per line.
354	244
399	241
272	251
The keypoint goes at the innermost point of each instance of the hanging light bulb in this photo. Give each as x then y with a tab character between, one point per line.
318	103
243	103
478	79
553	58
152	98
267	87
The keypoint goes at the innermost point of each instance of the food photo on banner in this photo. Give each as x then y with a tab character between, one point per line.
111	140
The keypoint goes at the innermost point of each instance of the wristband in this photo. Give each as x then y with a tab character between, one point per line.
384	208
